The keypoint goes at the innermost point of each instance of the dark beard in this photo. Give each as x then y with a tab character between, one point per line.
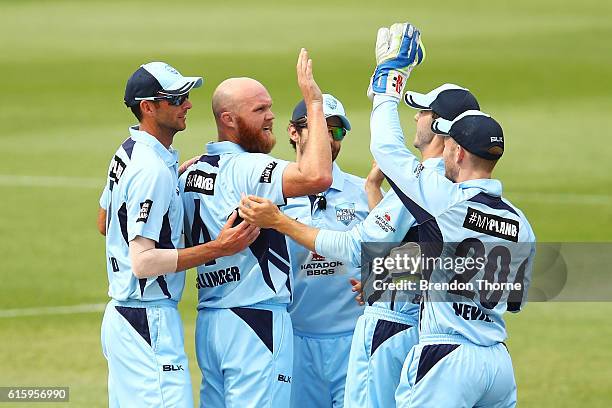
252	139
335	150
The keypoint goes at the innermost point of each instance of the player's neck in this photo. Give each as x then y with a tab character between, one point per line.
430	152
471	174
165	136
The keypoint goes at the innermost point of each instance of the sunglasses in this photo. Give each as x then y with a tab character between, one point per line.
337	133
174	100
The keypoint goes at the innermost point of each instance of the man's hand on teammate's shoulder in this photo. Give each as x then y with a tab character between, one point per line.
232	240
259	211
183	167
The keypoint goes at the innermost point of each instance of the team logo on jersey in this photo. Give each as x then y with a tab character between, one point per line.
199	181
491	224
145	209
317	257
116	170
345	213
266	176
384	222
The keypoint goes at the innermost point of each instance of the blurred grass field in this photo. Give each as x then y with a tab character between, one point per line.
540	68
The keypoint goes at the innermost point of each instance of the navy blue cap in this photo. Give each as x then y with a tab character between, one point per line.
156	78
447	101
475	131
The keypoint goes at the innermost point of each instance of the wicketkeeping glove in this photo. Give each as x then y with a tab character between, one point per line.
398	50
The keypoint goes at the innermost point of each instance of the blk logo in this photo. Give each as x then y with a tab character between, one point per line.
172	367
284	378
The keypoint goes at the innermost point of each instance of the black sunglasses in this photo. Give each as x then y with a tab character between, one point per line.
174	100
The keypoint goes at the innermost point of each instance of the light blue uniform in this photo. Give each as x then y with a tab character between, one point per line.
142	333
324	311
243	331
388	328
460	360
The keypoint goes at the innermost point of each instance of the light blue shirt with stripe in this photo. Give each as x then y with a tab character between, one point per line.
141	198
471	219
388	222
211	189
323	303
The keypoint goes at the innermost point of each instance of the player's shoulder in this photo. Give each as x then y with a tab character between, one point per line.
522	218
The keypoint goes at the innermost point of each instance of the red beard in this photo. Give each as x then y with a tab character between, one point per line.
253	139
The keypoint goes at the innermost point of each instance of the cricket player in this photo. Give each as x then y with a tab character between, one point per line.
460	360
323	311
244	338
388	328
142	334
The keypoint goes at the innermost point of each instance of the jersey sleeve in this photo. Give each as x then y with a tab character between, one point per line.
265	177
105	197
389	222
422	190
149	191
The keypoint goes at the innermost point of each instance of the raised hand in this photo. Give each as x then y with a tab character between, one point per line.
398	50
308	86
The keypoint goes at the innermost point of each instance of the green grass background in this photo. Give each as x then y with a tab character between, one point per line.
543	69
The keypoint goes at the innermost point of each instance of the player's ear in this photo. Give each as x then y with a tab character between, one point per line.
228	120
293	133
147	108
460	155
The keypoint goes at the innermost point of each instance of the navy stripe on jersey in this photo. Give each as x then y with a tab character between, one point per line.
419	214
198	228
492	202
213	160
142	283
128	146
122	215
259	248
430	356
278	244
165	235
260	321
385	330
137	318
161	281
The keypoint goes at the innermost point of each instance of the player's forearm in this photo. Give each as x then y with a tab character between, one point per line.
387	138
300	233
374	194
344	246
198	255
315	164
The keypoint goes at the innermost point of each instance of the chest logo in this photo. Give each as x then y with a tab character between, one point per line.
345	213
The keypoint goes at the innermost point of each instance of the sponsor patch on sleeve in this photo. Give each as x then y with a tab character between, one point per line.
145	209
266	176
117	168
490	224
199	181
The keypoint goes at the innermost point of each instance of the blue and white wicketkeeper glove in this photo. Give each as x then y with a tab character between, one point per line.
398	50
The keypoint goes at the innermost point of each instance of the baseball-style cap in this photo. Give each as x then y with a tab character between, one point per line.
475	131
157	78
331	107
447	101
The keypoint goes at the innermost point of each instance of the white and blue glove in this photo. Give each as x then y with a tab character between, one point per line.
398	50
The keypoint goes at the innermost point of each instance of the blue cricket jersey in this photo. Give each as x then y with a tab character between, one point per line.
141	198
471	219
323	302
389	222
211	189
